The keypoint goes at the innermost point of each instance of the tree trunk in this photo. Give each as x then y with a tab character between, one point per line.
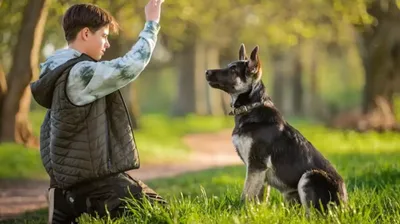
225	57
192	85
200	82
297	82
15	126
214	96
380	72
314	88
278	63
3	87
184	101
381	57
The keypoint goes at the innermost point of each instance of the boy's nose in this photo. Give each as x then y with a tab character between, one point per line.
107	45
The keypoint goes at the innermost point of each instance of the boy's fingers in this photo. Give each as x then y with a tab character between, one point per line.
158	2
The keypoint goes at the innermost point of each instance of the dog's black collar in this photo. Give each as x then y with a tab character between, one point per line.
246	108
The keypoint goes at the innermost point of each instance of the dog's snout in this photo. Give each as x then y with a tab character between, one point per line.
208	72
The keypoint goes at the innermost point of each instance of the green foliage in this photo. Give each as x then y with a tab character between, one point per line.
187	21
354	12
12	10
281	23
270	24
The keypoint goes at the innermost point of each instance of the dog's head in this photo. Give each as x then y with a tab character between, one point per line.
239	76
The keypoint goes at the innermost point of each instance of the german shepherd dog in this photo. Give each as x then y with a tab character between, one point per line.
274	152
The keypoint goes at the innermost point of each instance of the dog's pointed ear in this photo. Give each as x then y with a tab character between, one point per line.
254	63
242	52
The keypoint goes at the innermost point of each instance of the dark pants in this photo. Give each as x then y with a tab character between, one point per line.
97	197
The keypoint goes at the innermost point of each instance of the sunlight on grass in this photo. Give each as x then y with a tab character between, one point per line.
17	161
368	162
228	209
336	141
212	196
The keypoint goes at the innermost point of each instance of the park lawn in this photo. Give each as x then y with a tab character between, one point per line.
158	140
369	163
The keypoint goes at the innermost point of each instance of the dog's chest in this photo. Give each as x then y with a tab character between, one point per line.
243	146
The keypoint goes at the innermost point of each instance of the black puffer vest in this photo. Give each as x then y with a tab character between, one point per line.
82	143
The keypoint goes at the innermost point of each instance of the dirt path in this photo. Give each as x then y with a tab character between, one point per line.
209	150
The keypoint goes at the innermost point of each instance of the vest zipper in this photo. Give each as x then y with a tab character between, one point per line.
130	122
108	142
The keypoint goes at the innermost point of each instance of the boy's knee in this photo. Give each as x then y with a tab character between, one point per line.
138	190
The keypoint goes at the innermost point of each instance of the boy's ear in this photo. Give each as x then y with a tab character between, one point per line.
242	52
254	62
84	33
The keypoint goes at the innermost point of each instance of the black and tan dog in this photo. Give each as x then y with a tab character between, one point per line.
274	152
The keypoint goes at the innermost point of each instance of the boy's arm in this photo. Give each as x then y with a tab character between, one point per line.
89	80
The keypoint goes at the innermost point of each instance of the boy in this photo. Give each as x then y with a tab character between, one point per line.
86	139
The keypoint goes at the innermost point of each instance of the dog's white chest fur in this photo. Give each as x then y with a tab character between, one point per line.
243	145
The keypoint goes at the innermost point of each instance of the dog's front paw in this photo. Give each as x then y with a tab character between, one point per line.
246	198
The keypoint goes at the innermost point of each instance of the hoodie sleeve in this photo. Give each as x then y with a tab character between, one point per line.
90	80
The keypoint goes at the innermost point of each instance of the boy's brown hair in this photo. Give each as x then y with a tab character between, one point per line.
80	16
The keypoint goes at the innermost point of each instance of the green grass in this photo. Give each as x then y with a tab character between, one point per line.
159	141
16	161
160	137
369	163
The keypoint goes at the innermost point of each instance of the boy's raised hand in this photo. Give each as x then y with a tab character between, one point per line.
153	10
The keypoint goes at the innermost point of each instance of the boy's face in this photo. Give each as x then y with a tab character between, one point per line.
97	43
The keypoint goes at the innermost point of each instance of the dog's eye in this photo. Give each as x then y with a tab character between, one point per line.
232	69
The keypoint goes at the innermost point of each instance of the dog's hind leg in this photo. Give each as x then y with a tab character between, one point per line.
254	185
316	188
264	193
267	192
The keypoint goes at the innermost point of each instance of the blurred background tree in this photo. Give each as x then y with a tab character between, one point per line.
333	61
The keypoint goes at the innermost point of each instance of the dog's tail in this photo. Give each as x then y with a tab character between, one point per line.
319	189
